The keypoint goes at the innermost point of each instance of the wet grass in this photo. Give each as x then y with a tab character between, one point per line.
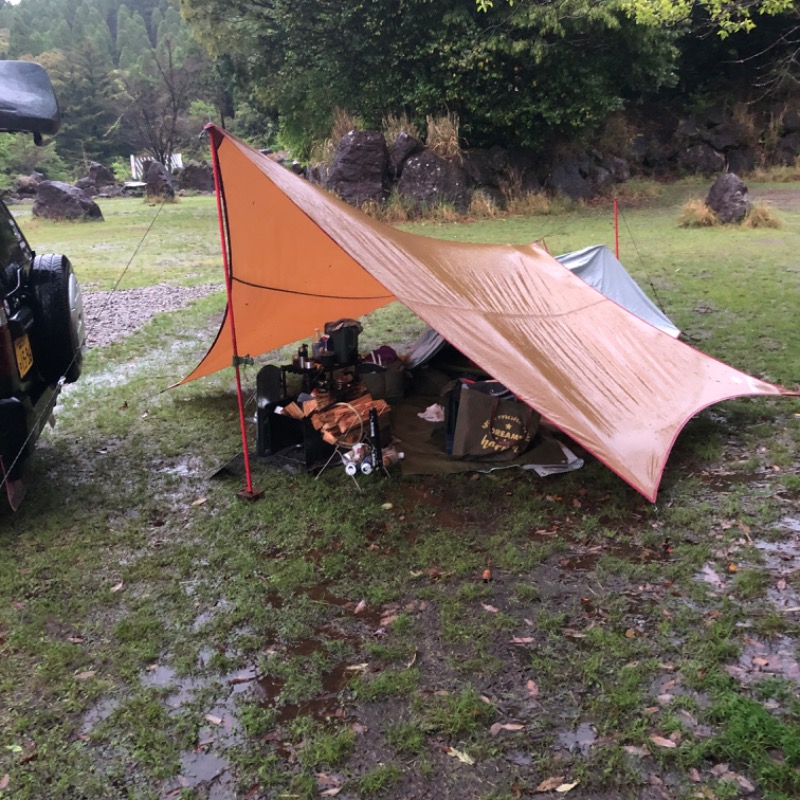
160	637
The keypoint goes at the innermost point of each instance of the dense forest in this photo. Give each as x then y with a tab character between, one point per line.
143	76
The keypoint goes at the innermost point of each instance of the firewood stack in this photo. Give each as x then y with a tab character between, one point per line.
343	423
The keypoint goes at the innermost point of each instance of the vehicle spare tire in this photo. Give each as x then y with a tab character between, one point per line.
59	331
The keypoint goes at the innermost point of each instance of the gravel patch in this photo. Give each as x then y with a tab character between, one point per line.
113	315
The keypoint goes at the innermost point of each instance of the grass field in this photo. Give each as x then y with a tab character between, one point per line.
160	638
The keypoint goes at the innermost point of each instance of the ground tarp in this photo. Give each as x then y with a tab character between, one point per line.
299	257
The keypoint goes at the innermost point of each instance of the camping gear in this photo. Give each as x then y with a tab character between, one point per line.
491	423
343	340
616	384
386	383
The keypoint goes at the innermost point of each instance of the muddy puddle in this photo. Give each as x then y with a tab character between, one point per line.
765	658
578	740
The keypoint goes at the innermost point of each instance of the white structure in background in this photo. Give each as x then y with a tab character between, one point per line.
137	163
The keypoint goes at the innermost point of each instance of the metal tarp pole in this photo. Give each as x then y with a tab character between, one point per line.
248	493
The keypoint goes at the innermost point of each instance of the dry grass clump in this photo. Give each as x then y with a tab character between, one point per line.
393	125
696	214
638	191
394	211
761	215
531	204
786	173
442	137
483	206
343	123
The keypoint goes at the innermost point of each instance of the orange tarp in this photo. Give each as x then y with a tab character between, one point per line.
299	257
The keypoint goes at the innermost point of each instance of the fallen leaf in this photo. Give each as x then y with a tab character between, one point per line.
239	679
533	688
411	661
362	604
460	755
386	621
75	639
118	586
505	726
661	741
387	506
523	640
214	720
358	729
199	501
732	567
744	783
332	792
760	662
694	776
490	609
636	751
4	781
84	676
357	667
549	784
630	633
14	748
566	787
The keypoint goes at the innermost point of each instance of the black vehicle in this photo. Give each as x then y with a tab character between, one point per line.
42	332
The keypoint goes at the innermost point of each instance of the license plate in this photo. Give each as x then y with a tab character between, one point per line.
22	347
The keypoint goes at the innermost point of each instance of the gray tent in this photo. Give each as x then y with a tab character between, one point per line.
596	266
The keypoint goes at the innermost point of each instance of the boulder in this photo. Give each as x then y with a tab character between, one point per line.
728	198
61	201
602	180
428	180
702	159
570	177
741	159
85	185
791	120
486	167
789	148
401	149
196	177
158	181
726	136
522	172
26	185
360	169
318	174
101	176
619	168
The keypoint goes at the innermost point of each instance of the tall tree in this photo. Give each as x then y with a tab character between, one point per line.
86	90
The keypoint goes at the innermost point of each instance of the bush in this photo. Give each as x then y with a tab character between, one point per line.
762	215
696	214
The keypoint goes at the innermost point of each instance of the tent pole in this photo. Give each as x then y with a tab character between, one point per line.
248	493
616	228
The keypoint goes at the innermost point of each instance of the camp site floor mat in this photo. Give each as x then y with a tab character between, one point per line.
422	444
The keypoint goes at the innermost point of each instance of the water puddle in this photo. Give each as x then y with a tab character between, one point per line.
586	560
791	524
761	659
579	740
326	706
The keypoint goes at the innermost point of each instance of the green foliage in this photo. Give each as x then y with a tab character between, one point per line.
511	77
